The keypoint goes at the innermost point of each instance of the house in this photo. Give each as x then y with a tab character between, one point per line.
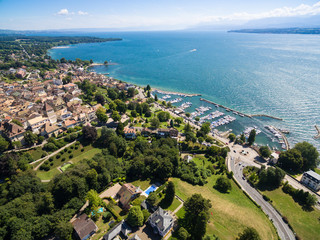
50	113
122	229
84	227
69	123
161	222
168	132
49	129
311	179
127	193
12	131
187	158
36	123
129	133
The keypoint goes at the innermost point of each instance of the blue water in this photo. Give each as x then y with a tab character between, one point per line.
151	189
251	73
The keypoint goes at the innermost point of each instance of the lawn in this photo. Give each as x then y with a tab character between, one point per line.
102	228
230	213
64	168
305	224
36	153
176	203
88	153
43	175
143	184
317	170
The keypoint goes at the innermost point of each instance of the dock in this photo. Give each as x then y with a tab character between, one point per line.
318	130
176	93
226	108
284	138
265	115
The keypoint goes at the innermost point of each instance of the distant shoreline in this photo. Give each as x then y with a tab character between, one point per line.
58	47
310	31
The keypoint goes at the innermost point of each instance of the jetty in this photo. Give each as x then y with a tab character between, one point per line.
226	108
265	115
284	138
176	93
318	130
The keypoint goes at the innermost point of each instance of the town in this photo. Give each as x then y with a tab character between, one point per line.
87	156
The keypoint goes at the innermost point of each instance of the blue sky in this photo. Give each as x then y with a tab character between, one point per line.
144	14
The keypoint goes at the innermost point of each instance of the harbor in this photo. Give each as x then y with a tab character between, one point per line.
226	108
176	93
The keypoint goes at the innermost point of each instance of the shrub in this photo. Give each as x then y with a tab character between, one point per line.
72	147
285	219
71	156
266	198
65	150
58	156
69	151
76	148
82	149
223	184
63	159
51	164
51	159
43	155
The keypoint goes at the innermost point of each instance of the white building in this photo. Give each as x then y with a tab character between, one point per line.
312	180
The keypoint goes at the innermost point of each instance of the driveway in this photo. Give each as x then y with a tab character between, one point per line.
146	233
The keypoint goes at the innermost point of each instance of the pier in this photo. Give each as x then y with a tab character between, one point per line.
318	130
265	115
284	138
226	108
176	93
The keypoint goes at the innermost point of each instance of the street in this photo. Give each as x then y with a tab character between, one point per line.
283	229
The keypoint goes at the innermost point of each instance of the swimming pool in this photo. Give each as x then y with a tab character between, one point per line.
100	210
151	189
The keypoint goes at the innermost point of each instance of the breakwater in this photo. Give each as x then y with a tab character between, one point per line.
226	108
318	130
176	93
265	115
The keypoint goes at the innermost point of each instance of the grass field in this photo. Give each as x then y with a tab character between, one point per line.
88	153
176	203
143	184
305	224
230	213
317	170
36	153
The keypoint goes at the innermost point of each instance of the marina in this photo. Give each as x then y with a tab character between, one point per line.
282	139
226	108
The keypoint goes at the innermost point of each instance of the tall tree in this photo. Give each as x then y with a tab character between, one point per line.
249	234
196	208
135	216
252	137
309	154
89	133
30	137
3	144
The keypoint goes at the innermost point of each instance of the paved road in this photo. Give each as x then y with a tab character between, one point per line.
283	229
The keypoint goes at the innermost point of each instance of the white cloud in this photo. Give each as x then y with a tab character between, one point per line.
301	10
82	13
63	11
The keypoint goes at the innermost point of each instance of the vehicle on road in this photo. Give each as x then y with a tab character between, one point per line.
234	151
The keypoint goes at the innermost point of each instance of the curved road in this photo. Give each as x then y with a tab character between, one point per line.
236	166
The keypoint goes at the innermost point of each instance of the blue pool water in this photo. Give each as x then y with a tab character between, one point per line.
100	210
151	189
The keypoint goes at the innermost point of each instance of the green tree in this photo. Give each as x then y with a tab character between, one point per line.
115	116
30	137
135	217
146	215
163	116
187	128
249	234
101	115
265	151
178	121
232	137
242	138
309	154
205	128
3	144
197	214
121	106
252	137
89	133
120	129
156	97
131	92
152	198
291	160
94	199
100	98
223	184
148	88
64	230
170	193
182	234
155	123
